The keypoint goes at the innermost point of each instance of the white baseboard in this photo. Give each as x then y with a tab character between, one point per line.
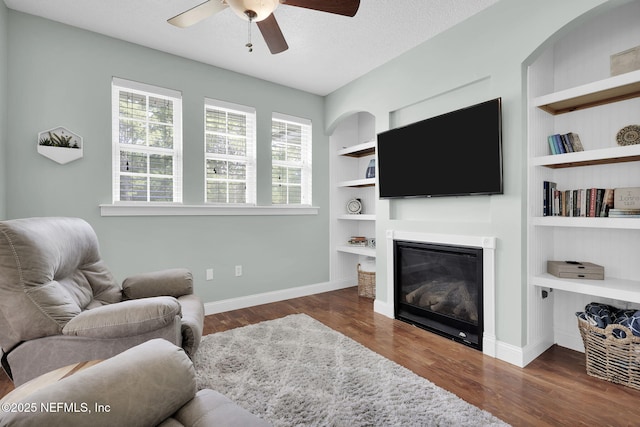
510	353
383	308
489	345
214	307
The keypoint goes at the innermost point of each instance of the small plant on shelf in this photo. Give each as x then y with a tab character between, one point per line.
55	140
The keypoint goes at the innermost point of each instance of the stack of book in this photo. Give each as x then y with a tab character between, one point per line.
567	143
624	213
357	241
591	202
626	203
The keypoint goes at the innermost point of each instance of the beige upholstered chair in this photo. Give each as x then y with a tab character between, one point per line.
153	383
59	304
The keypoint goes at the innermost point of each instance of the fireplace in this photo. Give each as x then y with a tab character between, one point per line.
439	287
386	307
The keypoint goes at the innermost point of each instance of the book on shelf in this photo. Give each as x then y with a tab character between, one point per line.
547	206
575	142
564	143
583	202
607	201
624	213
357	241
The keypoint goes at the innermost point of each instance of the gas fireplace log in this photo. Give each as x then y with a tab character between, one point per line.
442	298
449	298
458	302
414	296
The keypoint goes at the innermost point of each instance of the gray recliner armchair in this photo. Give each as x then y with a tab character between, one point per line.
153	383
59	304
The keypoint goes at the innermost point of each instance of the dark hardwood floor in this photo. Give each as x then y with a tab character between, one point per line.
553	390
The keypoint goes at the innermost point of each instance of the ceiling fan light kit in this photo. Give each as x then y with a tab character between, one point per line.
261	12
253	10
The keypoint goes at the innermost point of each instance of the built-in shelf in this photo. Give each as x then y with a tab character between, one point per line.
584	222
611	242
358	217
358	250
366	182
359	150
629	153
353	150
620	289
613	89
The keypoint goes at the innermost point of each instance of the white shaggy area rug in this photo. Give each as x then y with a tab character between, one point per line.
295	371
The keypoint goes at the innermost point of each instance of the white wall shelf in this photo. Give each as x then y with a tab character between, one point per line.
613	89
359	150
625	290
612	155
365	182
359	217
357	250
584	222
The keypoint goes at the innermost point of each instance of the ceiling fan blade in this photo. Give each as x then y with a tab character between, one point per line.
197	13
339	7
272	34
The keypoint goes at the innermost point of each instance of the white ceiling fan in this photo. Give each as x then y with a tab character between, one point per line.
261	12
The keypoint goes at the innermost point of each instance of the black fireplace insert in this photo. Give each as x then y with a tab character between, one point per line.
439	288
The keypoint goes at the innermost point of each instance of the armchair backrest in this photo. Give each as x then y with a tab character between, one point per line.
50	270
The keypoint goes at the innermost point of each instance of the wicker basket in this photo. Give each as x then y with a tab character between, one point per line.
366	283
610	358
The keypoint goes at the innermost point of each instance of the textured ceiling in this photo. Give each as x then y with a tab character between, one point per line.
326	51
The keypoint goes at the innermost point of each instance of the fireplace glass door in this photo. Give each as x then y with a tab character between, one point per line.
439	287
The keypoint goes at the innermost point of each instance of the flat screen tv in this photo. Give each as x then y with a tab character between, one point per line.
455	154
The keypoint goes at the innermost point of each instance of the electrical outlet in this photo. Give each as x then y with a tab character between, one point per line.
238	270
209	273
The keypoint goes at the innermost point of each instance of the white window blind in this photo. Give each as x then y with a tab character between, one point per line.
230	153
147	143
291	160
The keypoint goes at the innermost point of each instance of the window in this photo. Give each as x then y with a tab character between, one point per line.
147	143
291	160
230	153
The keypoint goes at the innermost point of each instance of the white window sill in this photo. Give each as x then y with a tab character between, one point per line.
195	210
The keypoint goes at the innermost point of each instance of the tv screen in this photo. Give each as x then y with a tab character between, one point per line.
454	154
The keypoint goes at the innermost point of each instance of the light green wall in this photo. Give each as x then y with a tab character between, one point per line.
4	59
61	76
483	58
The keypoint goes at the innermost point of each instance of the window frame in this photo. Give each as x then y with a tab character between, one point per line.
119	85
305	164
249	159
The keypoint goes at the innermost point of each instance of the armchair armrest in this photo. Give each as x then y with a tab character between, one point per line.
173	282
124	319
192	322
209	407
143	386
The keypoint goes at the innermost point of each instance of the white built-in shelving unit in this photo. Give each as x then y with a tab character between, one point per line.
353	146
571	90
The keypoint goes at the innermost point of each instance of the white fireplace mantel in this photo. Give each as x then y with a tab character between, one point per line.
488	245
